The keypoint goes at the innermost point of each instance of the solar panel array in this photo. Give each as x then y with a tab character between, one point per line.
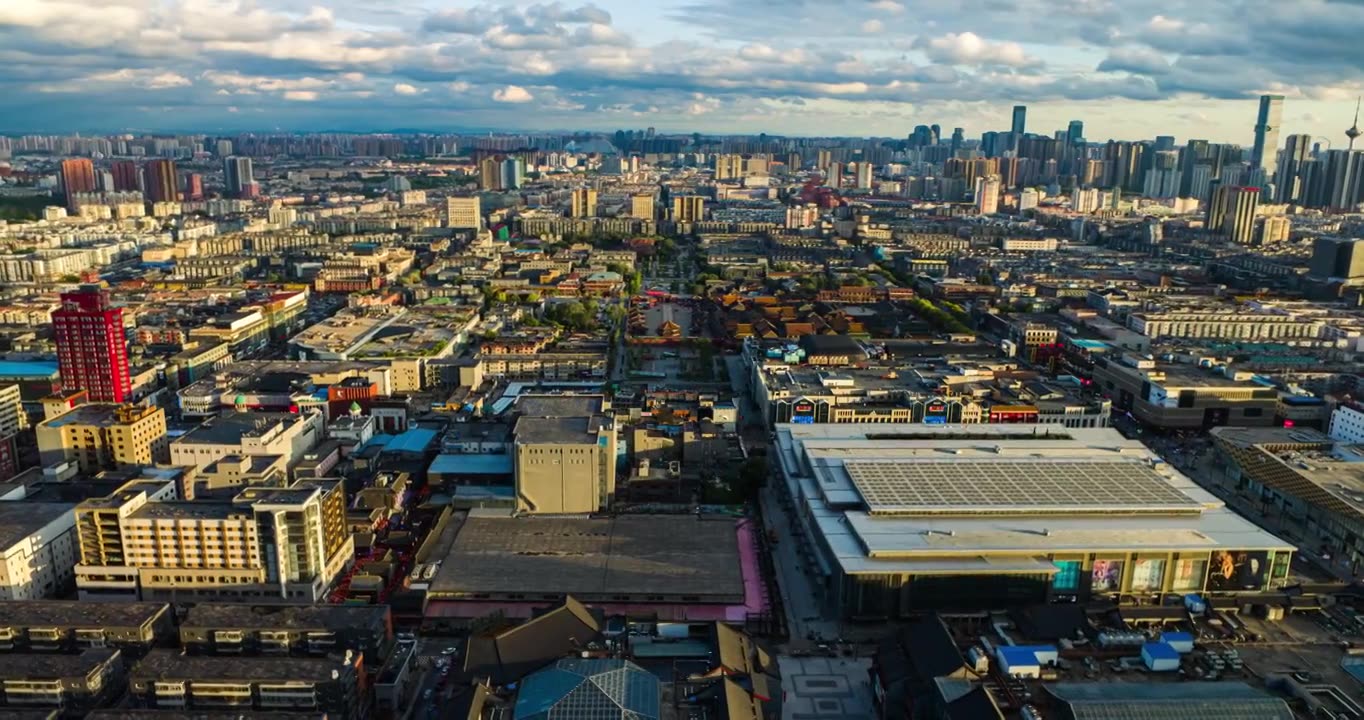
1000	486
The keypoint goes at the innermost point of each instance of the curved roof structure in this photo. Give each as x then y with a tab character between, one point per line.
589	689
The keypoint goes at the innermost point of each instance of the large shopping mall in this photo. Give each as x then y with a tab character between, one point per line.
971	516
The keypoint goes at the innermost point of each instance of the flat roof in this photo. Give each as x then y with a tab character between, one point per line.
555	430
229	429
1020	486
20	519
48	666
471	465
173	665
594	558
230	615
37	369
83	613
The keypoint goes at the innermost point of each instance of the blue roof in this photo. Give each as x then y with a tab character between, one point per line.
1160	651
1017	656
28	368
1090	344
1303	400
471	465
416	440
1176	636
590	689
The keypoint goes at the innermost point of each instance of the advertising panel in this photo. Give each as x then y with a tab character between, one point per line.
1233	570
1106	576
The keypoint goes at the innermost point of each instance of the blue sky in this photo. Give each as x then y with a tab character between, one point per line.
803	67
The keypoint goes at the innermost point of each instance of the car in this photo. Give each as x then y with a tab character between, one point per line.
449	651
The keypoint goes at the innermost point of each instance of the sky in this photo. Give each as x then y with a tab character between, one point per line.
1129	70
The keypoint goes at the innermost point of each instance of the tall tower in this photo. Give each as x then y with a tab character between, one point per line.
1267	133
125	176
1238	224
162	183
584	203
1020	121
92	352
78	176
237	175
1354	130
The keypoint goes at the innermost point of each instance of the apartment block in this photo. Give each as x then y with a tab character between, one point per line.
37	549
104	436
249	434
168	680
265	545
69	626
72	684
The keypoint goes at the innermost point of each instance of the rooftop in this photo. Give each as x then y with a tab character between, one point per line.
1224	700
590	689
19	666
98	415
172	665
594	558
72	613
229	615
20	519
229	429
189	511
36	369
557	430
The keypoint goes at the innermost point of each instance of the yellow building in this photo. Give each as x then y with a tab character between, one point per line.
265	545
104	436
642	206
584	203
689	209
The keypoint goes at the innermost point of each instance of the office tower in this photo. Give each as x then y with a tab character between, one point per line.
1020	121
1195	152
1075	132
1164	142
223	148
162	183
689	209
1028	199
78	176
1123	162
833	175
937	133
1217	206
463	213
490	174
864	175
1287	182
1341	258
125	176
642	206
1267	133
1341	181
1084	200
584	203
958	137
1093	172
987	195
92	353
513	173
194	187
237	175
1239	222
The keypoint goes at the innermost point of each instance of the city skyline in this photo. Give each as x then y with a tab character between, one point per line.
851	67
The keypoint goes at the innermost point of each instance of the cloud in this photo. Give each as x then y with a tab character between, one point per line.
512	94
969	48
301	95
1135	59
871	27
889	7
406	89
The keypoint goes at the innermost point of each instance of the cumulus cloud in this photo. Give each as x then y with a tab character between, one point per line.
512	94
871	27
969	48
406	89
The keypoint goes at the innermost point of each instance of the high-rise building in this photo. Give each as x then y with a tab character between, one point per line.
1218	197
584	203
1273	229
1028	199
1200	184
92	352
1162	180
958	138
1075	132
78	176
194	187
237	175
642	206
463	213
1238	224
1267	133
987	194
1287	181
1341	258
689	208
162	183
1084	200
1020	121
864	169
126	177
490	174
513	173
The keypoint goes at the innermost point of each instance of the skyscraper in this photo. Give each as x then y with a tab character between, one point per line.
78	176
162	184
92	353
125	176
1267	133
1020	121
1075	132
958	137
237	175
864	175
1239	222
1287	186
513	173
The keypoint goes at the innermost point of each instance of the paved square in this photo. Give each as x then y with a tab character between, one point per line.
819	688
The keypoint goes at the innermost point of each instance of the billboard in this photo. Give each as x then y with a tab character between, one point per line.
803	413
1237	570
1106	576
935	413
